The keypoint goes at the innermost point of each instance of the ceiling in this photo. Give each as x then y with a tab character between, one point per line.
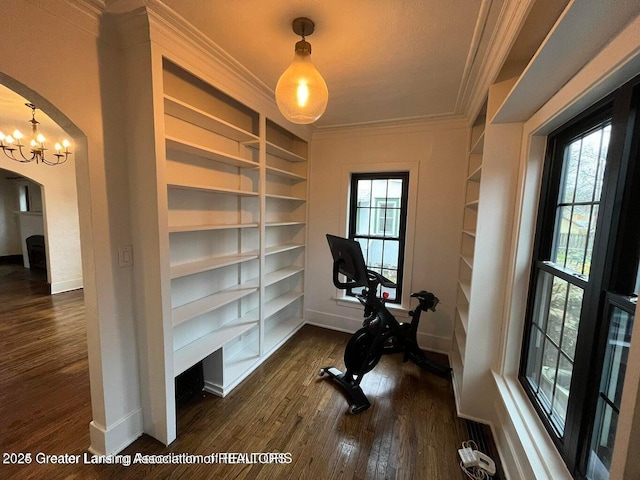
382	60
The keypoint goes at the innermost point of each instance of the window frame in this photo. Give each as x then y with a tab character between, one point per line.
543	248
609	275
405	176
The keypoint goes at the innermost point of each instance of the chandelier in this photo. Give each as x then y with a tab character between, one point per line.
12	145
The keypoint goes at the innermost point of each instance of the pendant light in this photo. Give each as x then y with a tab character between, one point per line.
301	92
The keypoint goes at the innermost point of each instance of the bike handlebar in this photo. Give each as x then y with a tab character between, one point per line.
380	279
374	279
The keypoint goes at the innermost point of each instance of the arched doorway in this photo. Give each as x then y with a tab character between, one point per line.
44	371
51	212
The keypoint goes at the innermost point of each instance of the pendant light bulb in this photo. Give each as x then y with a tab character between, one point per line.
301	92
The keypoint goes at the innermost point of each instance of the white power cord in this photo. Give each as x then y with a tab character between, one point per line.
470	462
476	473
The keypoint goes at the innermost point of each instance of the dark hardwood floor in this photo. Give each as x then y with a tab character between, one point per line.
410	432
45	403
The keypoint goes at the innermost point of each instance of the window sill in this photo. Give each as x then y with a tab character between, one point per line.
532	440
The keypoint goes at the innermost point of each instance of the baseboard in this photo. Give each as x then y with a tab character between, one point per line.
11	260
435	344
340	323
214	388
331	321
112	440
66	286
470	418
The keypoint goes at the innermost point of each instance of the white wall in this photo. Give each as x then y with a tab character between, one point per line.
436	152
55	54
60	217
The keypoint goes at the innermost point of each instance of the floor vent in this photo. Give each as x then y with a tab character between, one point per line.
481	434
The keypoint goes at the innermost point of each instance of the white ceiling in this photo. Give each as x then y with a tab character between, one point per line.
382	59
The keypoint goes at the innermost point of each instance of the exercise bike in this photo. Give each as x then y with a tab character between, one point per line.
381	334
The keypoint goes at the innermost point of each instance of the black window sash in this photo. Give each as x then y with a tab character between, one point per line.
401	238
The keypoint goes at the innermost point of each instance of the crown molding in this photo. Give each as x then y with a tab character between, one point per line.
171	30
93	8
393	127
180	42
476	41
81	14
212	63
166	19
511	18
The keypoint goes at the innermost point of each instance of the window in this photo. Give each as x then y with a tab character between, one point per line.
563	275
620	316
377	220
584	287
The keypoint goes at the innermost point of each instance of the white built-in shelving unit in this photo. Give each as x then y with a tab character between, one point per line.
228	222
467	252
483	254
236	220
213	224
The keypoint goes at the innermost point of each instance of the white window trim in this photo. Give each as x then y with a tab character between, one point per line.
412	201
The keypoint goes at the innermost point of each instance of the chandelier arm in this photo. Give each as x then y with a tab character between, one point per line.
52	164
34	155
61	158
12	156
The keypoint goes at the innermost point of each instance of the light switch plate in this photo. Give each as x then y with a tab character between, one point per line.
125	256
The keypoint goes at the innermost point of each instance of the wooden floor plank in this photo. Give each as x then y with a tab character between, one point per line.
411	431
